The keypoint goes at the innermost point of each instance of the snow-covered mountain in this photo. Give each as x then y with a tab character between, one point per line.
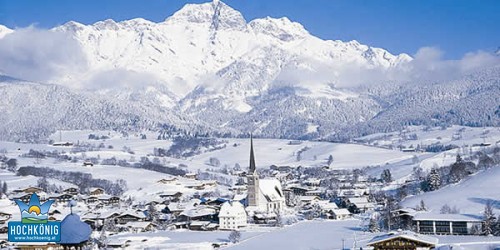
206	68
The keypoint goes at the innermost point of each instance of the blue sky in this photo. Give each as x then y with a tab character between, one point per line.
454	26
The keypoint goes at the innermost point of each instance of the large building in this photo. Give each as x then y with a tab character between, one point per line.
232	216
263	195
454	224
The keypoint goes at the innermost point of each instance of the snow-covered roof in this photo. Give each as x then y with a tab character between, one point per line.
198	211
341	211
271	189
232	209
137	224
447	217
133	213
326	205
404	234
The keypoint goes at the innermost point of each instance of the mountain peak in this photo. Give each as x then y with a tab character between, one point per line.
217	14
281	28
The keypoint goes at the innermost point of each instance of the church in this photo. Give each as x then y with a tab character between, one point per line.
264	195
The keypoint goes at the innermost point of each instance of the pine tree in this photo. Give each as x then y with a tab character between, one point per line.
422	206
488	219
445	209
386	176
434	180
373	226
235	236
4	188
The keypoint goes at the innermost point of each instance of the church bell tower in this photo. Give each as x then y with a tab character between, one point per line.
252	179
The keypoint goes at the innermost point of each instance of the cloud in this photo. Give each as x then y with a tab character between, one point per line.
427	65
39	55
120	78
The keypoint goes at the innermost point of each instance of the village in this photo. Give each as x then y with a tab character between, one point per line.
274	197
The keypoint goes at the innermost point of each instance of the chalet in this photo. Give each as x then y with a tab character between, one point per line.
109	199
453	224
62	144
90	199
130	216
121	243
71	190
96	191
304	200
4	228
172	180
140	226
88	164
24	197
209	184
299	190
29	190
212	201
203	226
339	214
61	197
232	216
404	240
199	213
171	195
173	209
4	217
191	176
359	205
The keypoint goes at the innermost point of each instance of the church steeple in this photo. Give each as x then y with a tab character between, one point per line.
253	180
252	157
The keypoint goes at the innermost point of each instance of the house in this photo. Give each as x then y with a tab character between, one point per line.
232	216
90	199
24	197
339	214
191	176
96	191
109	199
203	226
304	200
88	163
61	197
3	228
65	144
130	216
402	240
172	180
29	190
359	204
171	195
71	190
198	213
121	243
452	224
4	217
140	226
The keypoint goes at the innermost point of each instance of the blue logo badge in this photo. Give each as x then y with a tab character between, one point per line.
34	225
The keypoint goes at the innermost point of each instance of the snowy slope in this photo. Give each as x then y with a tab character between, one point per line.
470	195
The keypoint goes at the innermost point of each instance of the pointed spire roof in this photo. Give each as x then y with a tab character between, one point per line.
252	157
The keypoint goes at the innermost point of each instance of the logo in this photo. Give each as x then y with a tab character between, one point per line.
34	225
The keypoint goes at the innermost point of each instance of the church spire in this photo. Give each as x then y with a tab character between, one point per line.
252	157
